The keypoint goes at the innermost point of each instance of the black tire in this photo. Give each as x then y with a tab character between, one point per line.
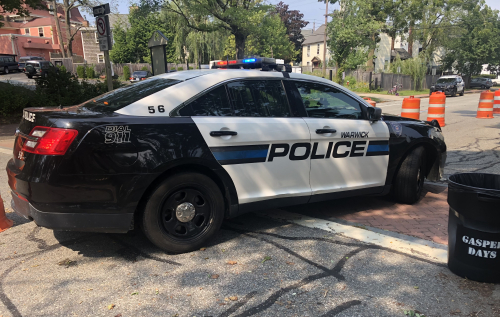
454	93
30	76
462	92
409	180
483	87
161	224
5	70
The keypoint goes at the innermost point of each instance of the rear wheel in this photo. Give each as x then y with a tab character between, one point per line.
183	213
409	180
5	70
483	87
462	92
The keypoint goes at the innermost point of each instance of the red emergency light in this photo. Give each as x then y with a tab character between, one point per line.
222	63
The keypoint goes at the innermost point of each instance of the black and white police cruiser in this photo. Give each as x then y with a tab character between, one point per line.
182	151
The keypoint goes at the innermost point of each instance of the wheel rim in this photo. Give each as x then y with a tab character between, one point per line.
6	70
185	214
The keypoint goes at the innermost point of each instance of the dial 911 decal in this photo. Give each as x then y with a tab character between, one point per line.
117	134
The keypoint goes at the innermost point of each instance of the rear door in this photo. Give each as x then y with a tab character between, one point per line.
255	138
348	151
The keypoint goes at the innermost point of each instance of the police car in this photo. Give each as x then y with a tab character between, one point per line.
180	152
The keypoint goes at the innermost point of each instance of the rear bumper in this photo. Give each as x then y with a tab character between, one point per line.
119	223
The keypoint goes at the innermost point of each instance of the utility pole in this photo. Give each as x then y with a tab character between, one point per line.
272	56
104	32
324	40
58	29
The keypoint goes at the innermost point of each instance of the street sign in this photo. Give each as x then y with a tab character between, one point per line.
101	10
104	44
102	25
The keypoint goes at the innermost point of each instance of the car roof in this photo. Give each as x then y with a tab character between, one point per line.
194	82
450	76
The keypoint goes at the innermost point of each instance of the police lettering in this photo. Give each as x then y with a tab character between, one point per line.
28	116
485	244
302	151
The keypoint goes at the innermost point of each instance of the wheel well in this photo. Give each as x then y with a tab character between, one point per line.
176	170
430	158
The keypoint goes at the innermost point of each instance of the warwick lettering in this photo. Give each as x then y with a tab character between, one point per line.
484	244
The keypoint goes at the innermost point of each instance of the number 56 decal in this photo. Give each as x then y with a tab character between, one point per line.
152	109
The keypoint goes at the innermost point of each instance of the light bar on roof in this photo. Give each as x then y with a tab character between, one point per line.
250	60
222	63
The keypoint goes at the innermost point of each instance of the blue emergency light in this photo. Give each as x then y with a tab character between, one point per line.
250	60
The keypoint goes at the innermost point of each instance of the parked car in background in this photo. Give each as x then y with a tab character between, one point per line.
450	85
139	75
8	64
483	83
496	82
24	59
39	68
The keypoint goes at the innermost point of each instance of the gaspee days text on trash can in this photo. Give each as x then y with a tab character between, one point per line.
484	244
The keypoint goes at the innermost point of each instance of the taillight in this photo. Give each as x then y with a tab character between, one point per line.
49	141
143	78
131	78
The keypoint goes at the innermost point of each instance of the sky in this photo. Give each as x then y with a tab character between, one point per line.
313	11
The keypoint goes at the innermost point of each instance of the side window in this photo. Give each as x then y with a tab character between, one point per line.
258	98
323	101
213	103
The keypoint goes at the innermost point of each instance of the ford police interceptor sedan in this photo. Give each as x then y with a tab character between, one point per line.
181	151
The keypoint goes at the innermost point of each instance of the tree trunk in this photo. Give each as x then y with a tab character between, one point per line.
410	39
67	8
239	40
58	29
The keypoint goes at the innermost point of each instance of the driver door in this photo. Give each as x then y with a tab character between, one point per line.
348	151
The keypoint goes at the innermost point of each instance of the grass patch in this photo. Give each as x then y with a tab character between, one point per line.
377	100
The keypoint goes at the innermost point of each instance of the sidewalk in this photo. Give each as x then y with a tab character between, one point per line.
400	98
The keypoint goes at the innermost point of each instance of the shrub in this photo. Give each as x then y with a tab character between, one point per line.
80	71
61	67
180	68
490	76
191	67
126	72
14	99
145	68
90	72
351	80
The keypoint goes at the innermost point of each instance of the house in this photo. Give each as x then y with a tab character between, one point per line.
91	52
36	35
312	51
312	48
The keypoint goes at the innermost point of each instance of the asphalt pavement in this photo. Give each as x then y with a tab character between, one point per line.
273	263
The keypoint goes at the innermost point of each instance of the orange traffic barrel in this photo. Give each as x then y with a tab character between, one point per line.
485	107
437	102
496	102
4	222
411	108
371	102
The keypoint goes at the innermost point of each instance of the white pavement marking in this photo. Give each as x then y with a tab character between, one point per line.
424	249
5	151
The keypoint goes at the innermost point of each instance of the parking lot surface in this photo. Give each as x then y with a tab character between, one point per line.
258	266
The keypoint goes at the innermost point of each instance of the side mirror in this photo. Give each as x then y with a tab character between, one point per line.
374	113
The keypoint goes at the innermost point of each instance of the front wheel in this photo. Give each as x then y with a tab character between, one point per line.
183	212
462	92
409	180
454	93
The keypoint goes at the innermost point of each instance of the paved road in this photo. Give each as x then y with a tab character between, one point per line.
17	79
281	269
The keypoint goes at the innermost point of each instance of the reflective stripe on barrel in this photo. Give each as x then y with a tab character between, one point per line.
411	108
496	102
437	102
485	107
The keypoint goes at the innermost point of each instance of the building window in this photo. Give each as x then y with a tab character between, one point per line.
27	31
317	51
308	50
308	63
40	32
100	58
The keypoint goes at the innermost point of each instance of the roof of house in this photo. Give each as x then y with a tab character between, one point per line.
403	54
38	14
318	36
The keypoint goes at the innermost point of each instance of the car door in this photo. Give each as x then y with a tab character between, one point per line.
254	137
348	151
460	85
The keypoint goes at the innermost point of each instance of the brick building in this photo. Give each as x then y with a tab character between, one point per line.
36	35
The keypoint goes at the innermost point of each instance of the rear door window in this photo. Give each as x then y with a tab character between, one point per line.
214	103
258	98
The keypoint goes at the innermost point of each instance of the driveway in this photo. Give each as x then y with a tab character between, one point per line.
17	79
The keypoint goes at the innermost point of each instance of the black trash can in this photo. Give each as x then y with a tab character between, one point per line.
474	226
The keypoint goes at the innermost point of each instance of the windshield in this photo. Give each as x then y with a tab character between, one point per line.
140	73
445	80
127	95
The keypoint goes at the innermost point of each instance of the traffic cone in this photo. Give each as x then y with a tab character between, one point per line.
370	101
496	102
437	102
485	107
411	108
4	222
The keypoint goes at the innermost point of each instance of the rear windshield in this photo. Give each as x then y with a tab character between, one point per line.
122	97
140	73
445	80
34	64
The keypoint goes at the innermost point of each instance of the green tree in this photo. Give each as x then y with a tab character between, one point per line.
351	34
234	16
121	52
475	42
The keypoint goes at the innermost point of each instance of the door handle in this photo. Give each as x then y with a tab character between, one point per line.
323	131
221	133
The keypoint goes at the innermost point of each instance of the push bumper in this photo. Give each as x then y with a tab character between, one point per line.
111	223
